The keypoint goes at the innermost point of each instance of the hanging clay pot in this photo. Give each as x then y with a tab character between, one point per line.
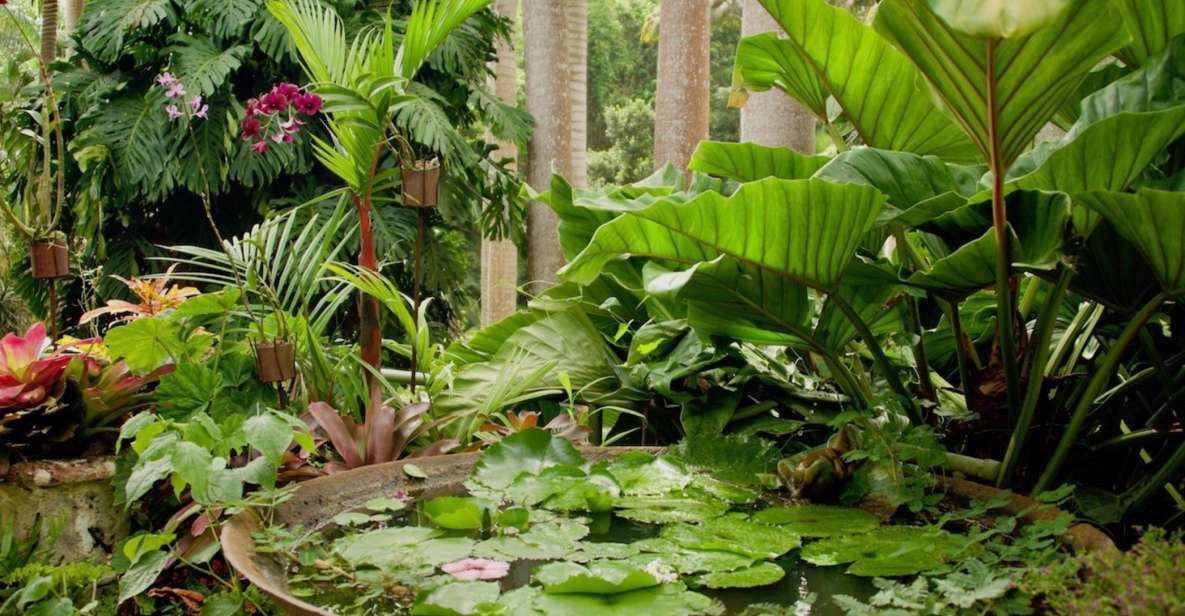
275	361
49	259
421	184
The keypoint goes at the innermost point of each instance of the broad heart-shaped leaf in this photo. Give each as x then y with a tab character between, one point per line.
998	18
887	551
1152	23
877	88
734	533
458	599
582	212
1152	220
802	230
906	179
749	162
529	451
665	600
819	520
762	574
1038	223
1132	119
1031	75
765	61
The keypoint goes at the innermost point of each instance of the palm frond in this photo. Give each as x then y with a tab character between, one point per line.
427	26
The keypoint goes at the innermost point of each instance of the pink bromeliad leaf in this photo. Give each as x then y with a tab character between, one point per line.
26	378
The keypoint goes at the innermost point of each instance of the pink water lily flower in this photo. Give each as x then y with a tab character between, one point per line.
474	569
25	378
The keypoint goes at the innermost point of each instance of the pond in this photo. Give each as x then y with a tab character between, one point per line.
537	530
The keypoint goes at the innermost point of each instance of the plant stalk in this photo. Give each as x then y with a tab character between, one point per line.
1102	375
878	357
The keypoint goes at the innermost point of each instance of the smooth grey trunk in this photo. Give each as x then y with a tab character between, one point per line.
578	33
72	16
499	258
772	118
684	80
549	66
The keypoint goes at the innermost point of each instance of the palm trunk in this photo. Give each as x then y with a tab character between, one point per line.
772	118
578	43
499	258
549	64
71	18
684	80
49	32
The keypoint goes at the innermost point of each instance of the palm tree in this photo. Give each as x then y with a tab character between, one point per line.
549	64
499	258
73	14
772	118
578	43
684	80
49	32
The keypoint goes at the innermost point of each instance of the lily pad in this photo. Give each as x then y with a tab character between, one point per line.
599	550
458	599
689	561
602	577
725	490
407	547
668	508
543	541
819	520
643	474
529	451
887	551
354	518
665	600
763	574
566	488
734	533
454	512
386	504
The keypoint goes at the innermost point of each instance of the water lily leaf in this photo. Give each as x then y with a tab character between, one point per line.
763	574
733	457
529	451
566	488
724	490
406	547
734	533
688	561
603	577
543	541
454	512
676	507
642	474
887	551
819	520
665	600
354	518
386	504
603	550
458	599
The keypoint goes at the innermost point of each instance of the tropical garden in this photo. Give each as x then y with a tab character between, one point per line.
582	307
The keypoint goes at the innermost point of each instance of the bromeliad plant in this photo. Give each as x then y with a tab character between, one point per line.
933	215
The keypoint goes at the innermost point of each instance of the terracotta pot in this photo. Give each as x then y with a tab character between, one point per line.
421	184
275	361
49	259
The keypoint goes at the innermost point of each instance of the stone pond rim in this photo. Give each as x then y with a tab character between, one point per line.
316	502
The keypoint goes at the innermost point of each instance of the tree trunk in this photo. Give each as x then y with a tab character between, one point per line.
684	84
772	118
578	42
499	258
73	15
549	65
49	32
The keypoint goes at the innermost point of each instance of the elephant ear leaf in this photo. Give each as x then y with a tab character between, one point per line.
1153	221
749	162
1153	23
803	230
1003	91
828	53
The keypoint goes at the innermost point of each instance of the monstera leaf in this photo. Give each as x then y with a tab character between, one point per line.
1002	91
749	162
1152	24
876	87
805	231
1153	221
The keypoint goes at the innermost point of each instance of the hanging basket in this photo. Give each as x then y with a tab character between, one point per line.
275	361
421	184
49	259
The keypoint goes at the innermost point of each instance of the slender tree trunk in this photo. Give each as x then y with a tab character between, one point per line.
549	64
499	258
578	42
772	118
49	32
71	18
684	84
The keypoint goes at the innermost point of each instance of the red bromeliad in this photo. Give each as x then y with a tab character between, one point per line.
26	378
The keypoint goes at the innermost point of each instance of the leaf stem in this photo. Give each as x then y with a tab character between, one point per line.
878	356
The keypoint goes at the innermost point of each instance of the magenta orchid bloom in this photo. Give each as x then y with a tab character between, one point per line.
166	80
275	115
474	569
25	378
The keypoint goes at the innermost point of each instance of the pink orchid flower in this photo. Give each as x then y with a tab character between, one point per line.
166	80
25	378
173	112
473	569
175	90
199	110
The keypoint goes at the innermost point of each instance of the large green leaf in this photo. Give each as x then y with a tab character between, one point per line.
601	577
819	520
1031	75
1038	225
734	533
107	23
749	162
1132	119
802	230
906	179
1152	24
1152	220
767	61
529	451
998	18
877	88
202	65
887	551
